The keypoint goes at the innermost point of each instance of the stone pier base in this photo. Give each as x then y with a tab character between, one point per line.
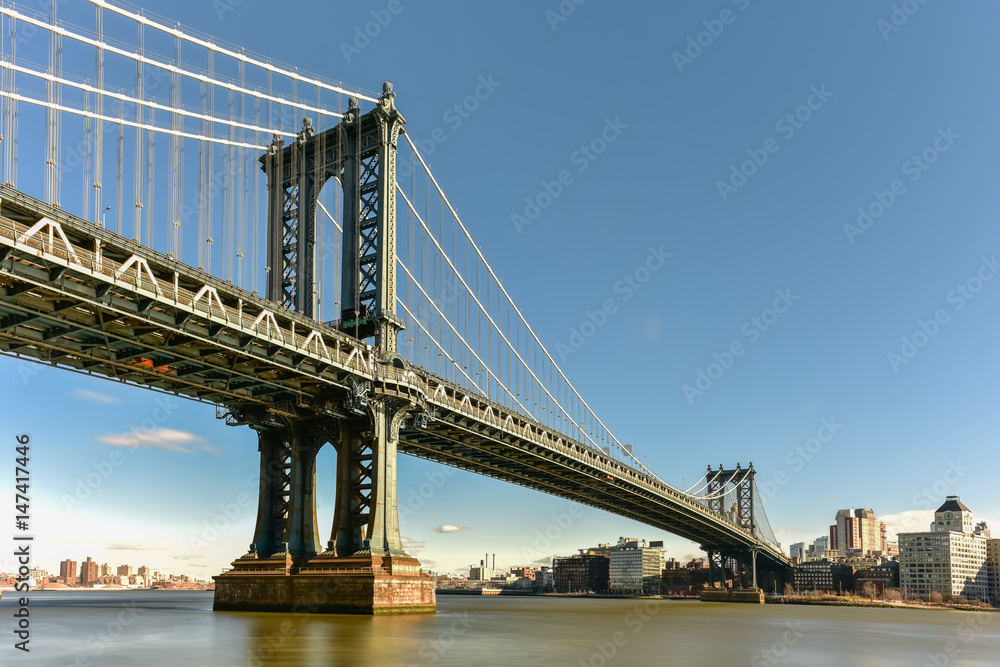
371	585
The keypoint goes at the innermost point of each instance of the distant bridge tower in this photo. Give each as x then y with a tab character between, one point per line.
364	558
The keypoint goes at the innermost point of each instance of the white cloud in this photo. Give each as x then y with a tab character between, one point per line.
909	521
136	546
158	438
448	528
94	397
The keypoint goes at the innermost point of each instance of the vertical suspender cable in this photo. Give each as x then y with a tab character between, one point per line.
98	123
137	169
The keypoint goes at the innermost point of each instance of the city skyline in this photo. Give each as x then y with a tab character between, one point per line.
851	388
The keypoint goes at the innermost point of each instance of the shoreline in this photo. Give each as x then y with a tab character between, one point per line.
877	604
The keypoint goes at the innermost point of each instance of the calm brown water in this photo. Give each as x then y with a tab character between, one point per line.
147	629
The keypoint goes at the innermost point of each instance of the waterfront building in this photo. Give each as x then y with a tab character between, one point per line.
525	572
993	570
586	571
635	569
545	579
824	576
883	576
125	571
481	573
950	560
858	533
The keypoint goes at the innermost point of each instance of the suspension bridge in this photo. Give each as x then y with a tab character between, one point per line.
278	247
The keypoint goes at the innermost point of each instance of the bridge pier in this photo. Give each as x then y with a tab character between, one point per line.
364	569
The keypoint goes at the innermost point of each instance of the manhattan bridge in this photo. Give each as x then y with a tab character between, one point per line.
278	247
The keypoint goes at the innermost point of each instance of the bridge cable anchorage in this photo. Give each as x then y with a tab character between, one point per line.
540	347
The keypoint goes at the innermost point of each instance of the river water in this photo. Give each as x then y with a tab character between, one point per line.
151	628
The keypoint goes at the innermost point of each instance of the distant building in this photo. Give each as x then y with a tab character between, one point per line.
525	572
858	533
88	572
38	574
816	550
883	576
982	529
993	570
481	573
104	570
67	571
636	569
125	571
823	575
545	580
950	560
797	552
583	572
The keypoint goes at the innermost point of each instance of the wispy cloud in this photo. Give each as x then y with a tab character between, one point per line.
136	546
448	528
185	556
94	397
159	438
411	545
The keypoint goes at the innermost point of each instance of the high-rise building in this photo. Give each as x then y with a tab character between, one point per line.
857	533
104	570
67	571
818	548
635	569
125	571
993	569
797	552
950	560
88	572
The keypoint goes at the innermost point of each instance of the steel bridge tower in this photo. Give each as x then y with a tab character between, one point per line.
364	568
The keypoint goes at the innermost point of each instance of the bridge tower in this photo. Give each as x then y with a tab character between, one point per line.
364	568
741	511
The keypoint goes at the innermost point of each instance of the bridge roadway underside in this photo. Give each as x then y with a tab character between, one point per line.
91	322
466	445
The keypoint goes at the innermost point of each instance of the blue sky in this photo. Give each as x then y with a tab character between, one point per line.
869	100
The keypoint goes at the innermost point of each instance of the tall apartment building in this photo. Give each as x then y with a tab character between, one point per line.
857	533
817	549
88	572
635	569
67	570
797	552
950	560
993	569
125	571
